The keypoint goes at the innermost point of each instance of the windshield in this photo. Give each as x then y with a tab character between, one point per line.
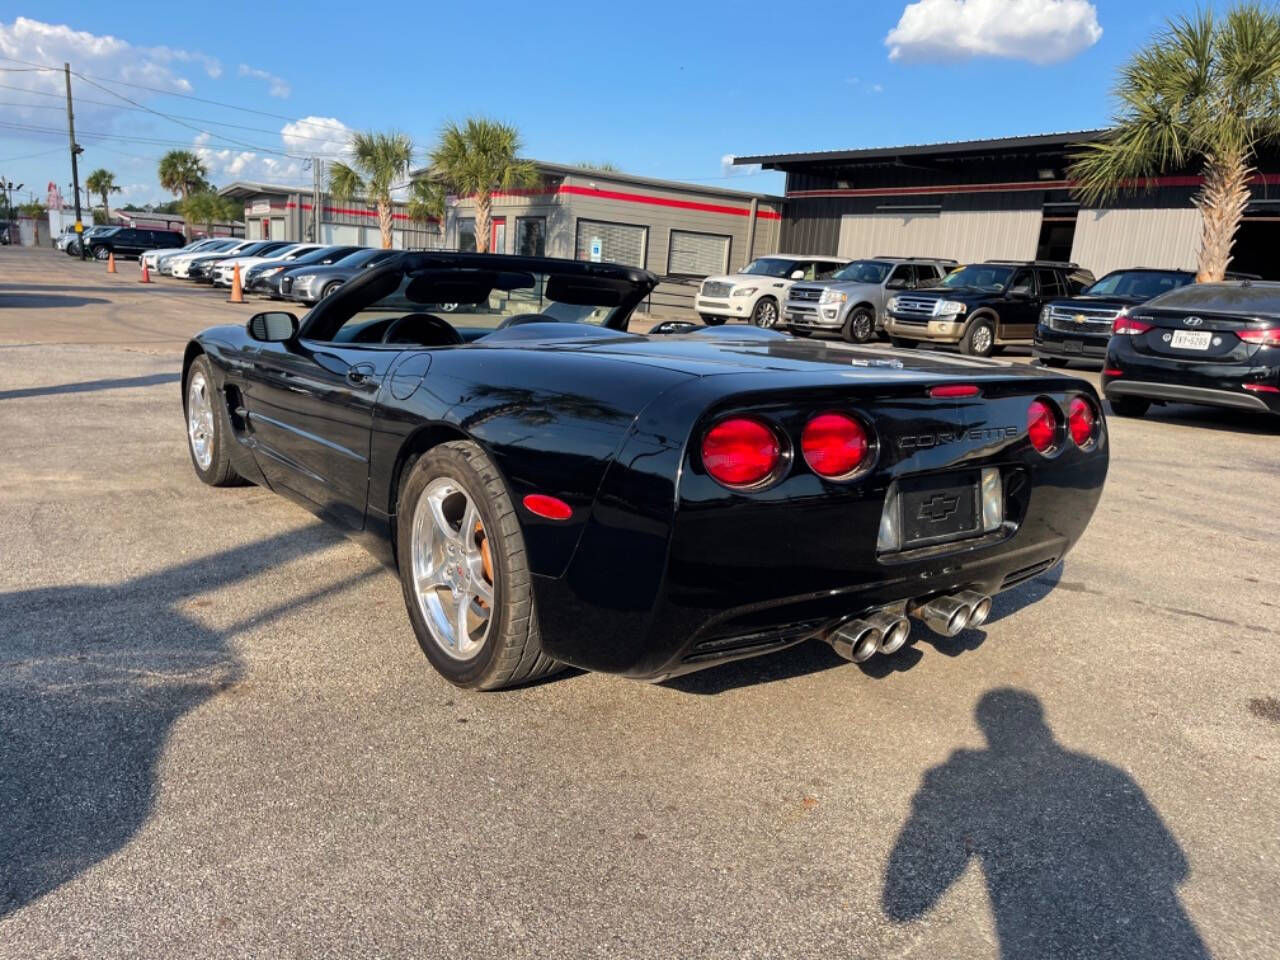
770	267
359	258
477	298
1140	284
983	276
863	271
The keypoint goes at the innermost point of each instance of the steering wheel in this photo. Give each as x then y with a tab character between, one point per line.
520	319
423	329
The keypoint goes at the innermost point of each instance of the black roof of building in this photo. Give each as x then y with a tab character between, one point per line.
1040	141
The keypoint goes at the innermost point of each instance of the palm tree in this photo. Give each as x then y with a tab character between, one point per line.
378	162
427	202
102	182
476	159
1205	92
37	211
183	173
207	207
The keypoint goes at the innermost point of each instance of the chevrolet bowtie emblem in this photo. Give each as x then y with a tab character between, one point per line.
938	507
1078	318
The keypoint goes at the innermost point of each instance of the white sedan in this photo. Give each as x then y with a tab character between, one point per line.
223	275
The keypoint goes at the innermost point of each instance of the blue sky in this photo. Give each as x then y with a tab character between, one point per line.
661	89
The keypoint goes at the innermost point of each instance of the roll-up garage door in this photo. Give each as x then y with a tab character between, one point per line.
611	242
339	234
964	235
1112	239
697	254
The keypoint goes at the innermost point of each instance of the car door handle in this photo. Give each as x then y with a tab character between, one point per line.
360	374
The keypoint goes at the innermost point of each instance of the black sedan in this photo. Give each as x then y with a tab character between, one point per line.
1208	343
1079	327
265	277
556	490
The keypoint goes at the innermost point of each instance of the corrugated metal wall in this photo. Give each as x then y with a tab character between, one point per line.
960	234
1111	239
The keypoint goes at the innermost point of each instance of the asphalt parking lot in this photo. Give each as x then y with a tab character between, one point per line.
220	737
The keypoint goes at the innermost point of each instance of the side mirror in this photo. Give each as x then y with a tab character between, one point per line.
797	274
274	326
898	284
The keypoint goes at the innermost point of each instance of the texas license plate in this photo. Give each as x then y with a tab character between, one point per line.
939	508
1192	339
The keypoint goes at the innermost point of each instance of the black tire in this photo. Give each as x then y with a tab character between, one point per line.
1129	406
100	253
329	289
860	326
765	314
711	320
979	339
219	472
1054	361
512	651
901	343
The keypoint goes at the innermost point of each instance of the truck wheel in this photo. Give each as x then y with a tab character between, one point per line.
860	326
101	253
766	313
208	432
1129	406
978	339
464	571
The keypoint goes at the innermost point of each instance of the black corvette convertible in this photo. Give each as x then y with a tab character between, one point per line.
556	490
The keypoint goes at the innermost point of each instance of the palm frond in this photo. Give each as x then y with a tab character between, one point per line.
344	182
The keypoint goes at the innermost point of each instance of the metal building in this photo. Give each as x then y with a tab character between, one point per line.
1008	198
680	231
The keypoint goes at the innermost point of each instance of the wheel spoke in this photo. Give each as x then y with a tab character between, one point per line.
482	589
461	630
443	528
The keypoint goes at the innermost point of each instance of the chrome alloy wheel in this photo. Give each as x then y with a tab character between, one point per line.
453	573
982	340
767	314
200	420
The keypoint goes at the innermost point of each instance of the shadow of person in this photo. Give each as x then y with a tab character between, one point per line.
1077	861
93	680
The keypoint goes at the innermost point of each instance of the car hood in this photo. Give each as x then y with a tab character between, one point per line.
739	278
1098	302
851	287
703	355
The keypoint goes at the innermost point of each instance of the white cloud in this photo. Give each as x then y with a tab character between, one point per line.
276	86
1040	31
325	137
728	169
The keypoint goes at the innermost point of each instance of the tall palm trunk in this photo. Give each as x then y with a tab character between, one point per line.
483	203
384	222
1222	201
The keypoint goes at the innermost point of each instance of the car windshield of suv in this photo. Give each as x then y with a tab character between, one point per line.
1139	284
983	276
770	267
863	271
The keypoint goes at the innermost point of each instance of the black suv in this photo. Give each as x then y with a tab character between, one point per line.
1079	328
983	307
133	242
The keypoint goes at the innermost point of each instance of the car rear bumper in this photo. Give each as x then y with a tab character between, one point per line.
1239	398
1243	385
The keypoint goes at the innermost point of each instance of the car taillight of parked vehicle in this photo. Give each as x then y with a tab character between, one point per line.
835	445
1265	338
1042	427
1126	325
740	452
1082	422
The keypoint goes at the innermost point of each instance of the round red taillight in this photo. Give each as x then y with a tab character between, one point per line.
1082	421
740	452
834	444
1042	426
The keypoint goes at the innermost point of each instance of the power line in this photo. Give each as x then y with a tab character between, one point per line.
28	156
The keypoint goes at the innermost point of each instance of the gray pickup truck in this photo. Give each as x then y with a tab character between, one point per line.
852	301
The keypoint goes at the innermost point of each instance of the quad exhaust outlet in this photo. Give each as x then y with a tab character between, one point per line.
886	632
949	615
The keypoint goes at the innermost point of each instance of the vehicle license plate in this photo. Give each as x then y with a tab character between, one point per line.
1072	346
1192	339
938	508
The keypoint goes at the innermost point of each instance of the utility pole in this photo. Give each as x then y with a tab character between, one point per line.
317	191
75	171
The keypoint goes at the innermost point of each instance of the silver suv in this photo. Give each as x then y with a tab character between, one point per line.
852	301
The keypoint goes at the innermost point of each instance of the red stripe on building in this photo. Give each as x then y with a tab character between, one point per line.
1013	186
666	202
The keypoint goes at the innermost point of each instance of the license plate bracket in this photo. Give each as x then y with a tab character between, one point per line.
939	507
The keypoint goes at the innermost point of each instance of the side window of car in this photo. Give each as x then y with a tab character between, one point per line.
900	278
826	268
927	274
1024	283
1050	284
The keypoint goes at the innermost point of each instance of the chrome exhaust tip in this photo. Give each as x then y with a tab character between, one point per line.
894	631
856	640
944	615
979	606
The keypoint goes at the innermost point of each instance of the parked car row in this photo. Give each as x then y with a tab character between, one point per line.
302	272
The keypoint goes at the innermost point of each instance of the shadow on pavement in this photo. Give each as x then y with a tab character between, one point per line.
1212	418
92	680
1076	860
815	655
39	301
90	386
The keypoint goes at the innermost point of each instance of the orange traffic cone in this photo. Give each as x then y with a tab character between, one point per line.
146	277
237	291
111	262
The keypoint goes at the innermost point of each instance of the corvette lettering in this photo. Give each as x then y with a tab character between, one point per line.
922	441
